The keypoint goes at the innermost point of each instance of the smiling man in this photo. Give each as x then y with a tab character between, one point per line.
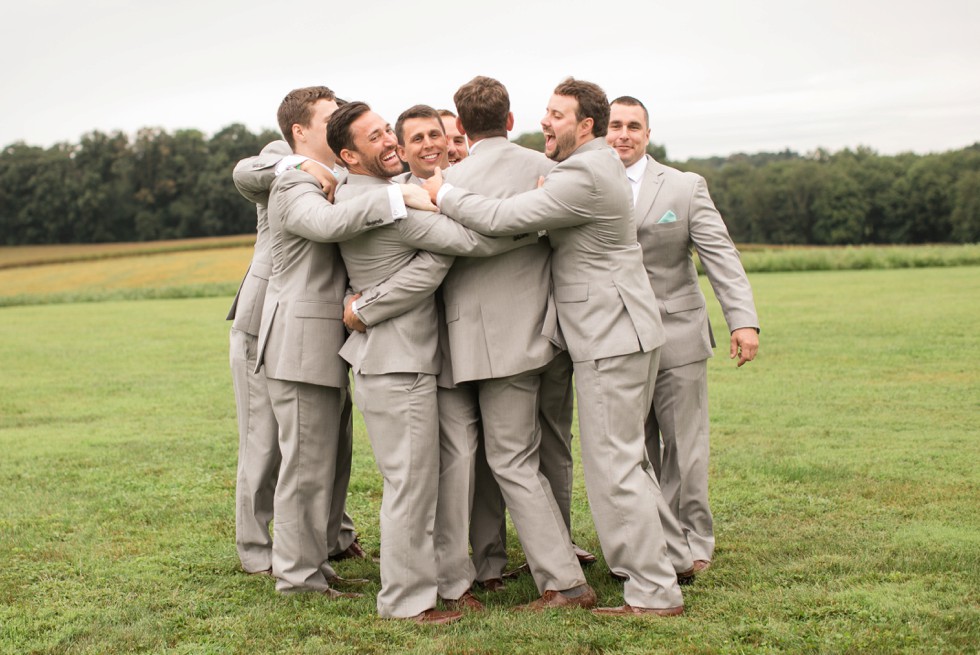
456	148
395	363
421	142
300	333
675	216
607	314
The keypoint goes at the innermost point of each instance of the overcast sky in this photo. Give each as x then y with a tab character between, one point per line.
718	76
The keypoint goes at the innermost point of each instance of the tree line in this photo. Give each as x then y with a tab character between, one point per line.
171	185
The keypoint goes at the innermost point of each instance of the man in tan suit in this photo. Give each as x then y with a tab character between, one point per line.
301	332
501	321
395	364
258	446
606	311
675	216
258	431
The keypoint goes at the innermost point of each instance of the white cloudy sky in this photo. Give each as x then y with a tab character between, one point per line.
718	76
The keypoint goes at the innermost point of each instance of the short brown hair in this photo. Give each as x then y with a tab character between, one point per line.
592	103
415	111
297	108
483	105
339	135
630	101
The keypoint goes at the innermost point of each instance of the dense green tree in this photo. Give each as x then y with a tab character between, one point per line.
159	185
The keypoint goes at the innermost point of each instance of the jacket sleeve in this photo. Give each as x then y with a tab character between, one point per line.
566	199
304	210
440	234
409	286
720	260
254	176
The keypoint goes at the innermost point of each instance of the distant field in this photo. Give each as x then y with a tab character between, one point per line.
14	256
844	473
215	266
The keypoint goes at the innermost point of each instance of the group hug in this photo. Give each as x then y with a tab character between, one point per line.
464	281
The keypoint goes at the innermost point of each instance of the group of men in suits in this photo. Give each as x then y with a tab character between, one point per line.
464	333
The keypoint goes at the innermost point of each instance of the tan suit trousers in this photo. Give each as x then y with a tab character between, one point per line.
680	416
402	420
315	441
613	394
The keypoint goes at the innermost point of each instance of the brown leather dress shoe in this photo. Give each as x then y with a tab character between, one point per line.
629	610
701	565
556	600
465	603
584	557
354	551
616	576
434	617
686	577
492	584
267	572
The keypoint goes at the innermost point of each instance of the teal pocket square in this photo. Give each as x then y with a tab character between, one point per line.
669	217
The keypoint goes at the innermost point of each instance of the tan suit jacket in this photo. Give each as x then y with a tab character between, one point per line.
606	306
302	320
408	341
496	307
253	178
668	241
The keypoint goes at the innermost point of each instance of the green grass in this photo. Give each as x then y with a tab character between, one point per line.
774	259
845	485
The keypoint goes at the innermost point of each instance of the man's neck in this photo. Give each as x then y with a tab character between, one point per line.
312	155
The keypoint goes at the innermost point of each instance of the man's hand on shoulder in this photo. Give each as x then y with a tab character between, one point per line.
322	175
745	345
416	197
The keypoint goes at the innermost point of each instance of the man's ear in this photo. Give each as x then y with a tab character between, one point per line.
299	133
349	157
400	150
585	127
459	126
510	121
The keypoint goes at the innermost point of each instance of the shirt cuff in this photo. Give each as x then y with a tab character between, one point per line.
397	203
443	190
353	308
289	161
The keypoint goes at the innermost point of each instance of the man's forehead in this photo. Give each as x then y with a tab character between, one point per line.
421	124
627	113
563	104
369	122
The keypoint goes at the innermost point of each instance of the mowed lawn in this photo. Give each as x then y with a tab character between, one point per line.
845	483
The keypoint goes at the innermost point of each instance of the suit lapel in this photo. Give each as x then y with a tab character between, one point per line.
653	179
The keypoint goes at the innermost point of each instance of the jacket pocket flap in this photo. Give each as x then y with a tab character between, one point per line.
315	309
452	313
684	303
572	293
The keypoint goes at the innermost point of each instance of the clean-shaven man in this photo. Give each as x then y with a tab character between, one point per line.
456	148
395	364
300	335
675	217
607	314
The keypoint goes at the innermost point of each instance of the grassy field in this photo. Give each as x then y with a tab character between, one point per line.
213	267
845	484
